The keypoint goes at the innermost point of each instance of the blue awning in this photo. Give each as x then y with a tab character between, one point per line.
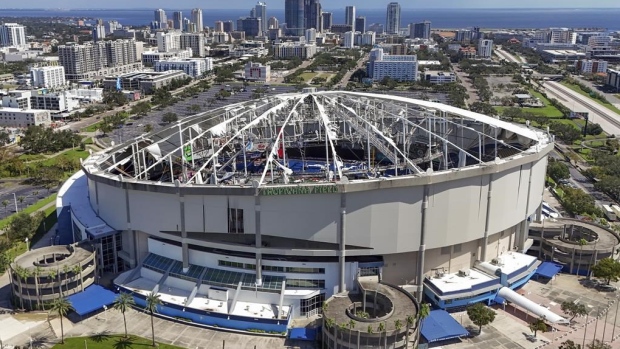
499	300
440	326
93	298
303	334
548	269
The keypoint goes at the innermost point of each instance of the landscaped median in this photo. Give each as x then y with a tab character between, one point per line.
604	103
107	341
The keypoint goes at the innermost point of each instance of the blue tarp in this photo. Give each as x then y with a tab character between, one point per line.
440	326
93	298
302	333
548	269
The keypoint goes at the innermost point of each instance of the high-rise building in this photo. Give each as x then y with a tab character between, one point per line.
368	38
218	27
177	20
98	32
311	35
260	11
273	23
197	19
251	26
349	15
349	39
48	77
160	17
229	26
392	22
420	30
112	26
12	34
195	41
294	17
360	24
476	34
169	41
80	60
485	48
328	20
397	67
312	14
377	28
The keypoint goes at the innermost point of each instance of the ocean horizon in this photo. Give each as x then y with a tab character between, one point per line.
440	18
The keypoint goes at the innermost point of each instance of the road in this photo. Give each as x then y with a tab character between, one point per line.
465	82
609	96
507	56
347	75
609	121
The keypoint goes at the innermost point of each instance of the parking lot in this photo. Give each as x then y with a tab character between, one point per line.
29	194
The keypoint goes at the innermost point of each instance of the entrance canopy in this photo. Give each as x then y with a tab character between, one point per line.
440	326
530	306
548	269
91	299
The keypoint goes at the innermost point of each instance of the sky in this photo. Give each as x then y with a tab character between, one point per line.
364	4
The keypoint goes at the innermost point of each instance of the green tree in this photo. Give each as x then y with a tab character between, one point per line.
423	312
582	242
22	226
381	330
607	269
483	108
480	315
5	203
597	344
351	325
61	306
222	94
574	309
152	301
4	138
51	274
114	98
141	109
169	117
410	321
148	128
370	332
21	199
398	325
569	345
577	201
538	325
557	170
123	302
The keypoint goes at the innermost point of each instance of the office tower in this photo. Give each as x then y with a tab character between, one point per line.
48	77
294	17
197	19
476	34
360	24
195	41
260	11
485	48
327	20
349	15
311	35
177	20
392	23
420	30
12	34
188	26
218	27
160	17
312	14
273	23
251	26
98	32
229	26
349	40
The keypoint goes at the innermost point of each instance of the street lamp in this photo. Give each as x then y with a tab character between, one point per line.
27	247
15	200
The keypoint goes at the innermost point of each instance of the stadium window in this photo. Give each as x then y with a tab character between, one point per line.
457	248
235	221
446	250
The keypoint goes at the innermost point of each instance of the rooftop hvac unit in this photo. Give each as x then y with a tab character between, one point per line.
464	272
439	274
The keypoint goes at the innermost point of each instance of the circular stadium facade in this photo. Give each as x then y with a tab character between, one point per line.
299	194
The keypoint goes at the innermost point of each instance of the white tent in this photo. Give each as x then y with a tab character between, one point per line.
530	306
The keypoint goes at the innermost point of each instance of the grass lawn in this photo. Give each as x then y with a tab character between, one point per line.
92	128
308	76
72	154
31	157
548	110
110	341
584	93
30	209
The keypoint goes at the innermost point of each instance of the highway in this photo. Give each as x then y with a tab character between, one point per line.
609	121
507	56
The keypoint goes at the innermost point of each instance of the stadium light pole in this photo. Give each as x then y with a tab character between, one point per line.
15	200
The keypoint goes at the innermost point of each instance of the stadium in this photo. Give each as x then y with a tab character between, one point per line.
254	214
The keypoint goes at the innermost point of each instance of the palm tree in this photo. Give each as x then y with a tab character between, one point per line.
5	203
381	329
19	272
35	193
122	303
329	323
398	325
51	274
21	201
61	306
77	270
351	325
423	312
37	273
341	328
152	301
582	242
24	274
65	270
410	320
370	331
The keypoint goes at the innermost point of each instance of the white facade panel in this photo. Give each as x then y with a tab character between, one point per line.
145	206
115	212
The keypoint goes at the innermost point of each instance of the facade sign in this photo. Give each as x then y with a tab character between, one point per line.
299	190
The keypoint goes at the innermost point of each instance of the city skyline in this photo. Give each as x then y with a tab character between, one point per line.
360	4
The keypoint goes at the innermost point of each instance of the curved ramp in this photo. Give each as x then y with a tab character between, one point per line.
530	306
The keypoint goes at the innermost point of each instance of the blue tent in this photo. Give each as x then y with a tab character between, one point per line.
93	298
548	270
440	326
